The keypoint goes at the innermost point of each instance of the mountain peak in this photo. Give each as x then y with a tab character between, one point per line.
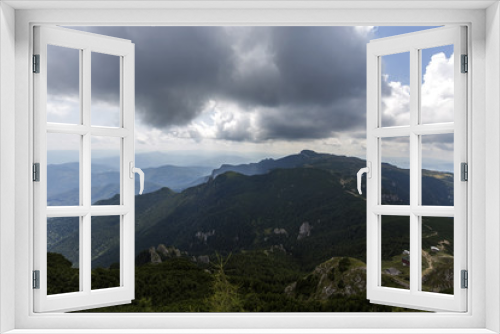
308	153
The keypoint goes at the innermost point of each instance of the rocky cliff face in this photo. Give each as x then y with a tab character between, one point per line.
204	259
155	257
304	231
337	276
162	253
203	236
168	251
279	231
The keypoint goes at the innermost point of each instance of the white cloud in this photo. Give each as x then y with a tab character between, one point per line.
437	95
105	114
63	141
438	90
437	105
365	30
396	106
63	109
219	122
221	128
106	143
66	109
223	120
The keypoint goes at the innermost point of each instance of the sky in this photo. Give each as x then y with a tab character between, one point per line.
256	91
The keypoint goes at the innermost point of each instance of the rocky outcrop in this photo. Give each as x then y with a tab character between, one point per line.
290	289
304	231
203	236
204	259
275	248
337	276
280	231
168	252
392	271
155	257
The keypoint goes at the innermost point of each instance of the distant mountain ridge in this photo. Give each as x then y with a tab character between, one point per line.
63	181
302	159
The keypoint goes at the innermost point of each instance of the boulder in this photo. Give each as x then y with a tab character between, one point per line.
304	231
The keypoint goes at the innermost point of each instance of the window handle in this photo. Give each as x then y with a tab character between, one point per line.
368	171
141	175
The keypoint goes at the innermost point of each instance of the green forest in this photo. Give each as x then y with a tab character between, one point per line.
247	282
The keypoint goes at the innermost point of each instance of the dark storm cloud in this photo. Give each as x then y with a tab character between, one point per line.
322	82
63	71
304	82
177	69
319	65
314	121
105	78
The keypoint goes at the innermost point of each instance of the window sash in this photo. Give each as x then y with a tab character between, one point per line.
86	297
414	298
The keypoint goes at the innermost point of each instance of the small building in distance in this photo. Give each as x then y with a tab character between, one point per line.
434	249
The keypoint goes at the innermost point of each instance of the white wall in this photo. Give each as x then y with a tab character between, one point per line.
7	160
492	166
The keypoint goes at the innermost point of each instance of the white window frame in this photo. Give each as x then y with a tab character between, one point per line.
413	43
483	20
86	44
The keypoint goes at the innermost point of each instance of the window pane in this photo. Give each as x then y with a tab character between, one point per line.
438	87
105	104
395	251
63	169
63	255
63	85
437	170
106	170
395	156
395	89
105	233
437	254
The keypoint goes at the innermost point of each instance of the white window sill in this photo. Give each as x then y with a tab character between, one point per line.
250	331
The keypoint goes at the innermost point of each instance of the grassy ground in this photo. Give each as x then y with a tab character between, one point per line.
437	272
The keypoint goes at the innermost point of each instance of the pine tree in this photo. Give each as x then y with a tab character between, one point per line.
225	297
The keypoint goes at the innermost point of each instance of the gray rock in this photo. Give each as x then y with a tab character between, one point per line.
203	236
155	257
168	252
304	231
279	248
162	249
279	231
392	271
203	259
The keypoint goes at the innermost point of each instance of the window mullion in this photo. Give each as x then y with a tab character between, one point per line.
85	180
414	171
85	152
85	254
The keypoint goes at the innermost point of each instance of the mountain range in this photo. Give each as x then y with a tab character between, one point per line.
63	181
304	205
